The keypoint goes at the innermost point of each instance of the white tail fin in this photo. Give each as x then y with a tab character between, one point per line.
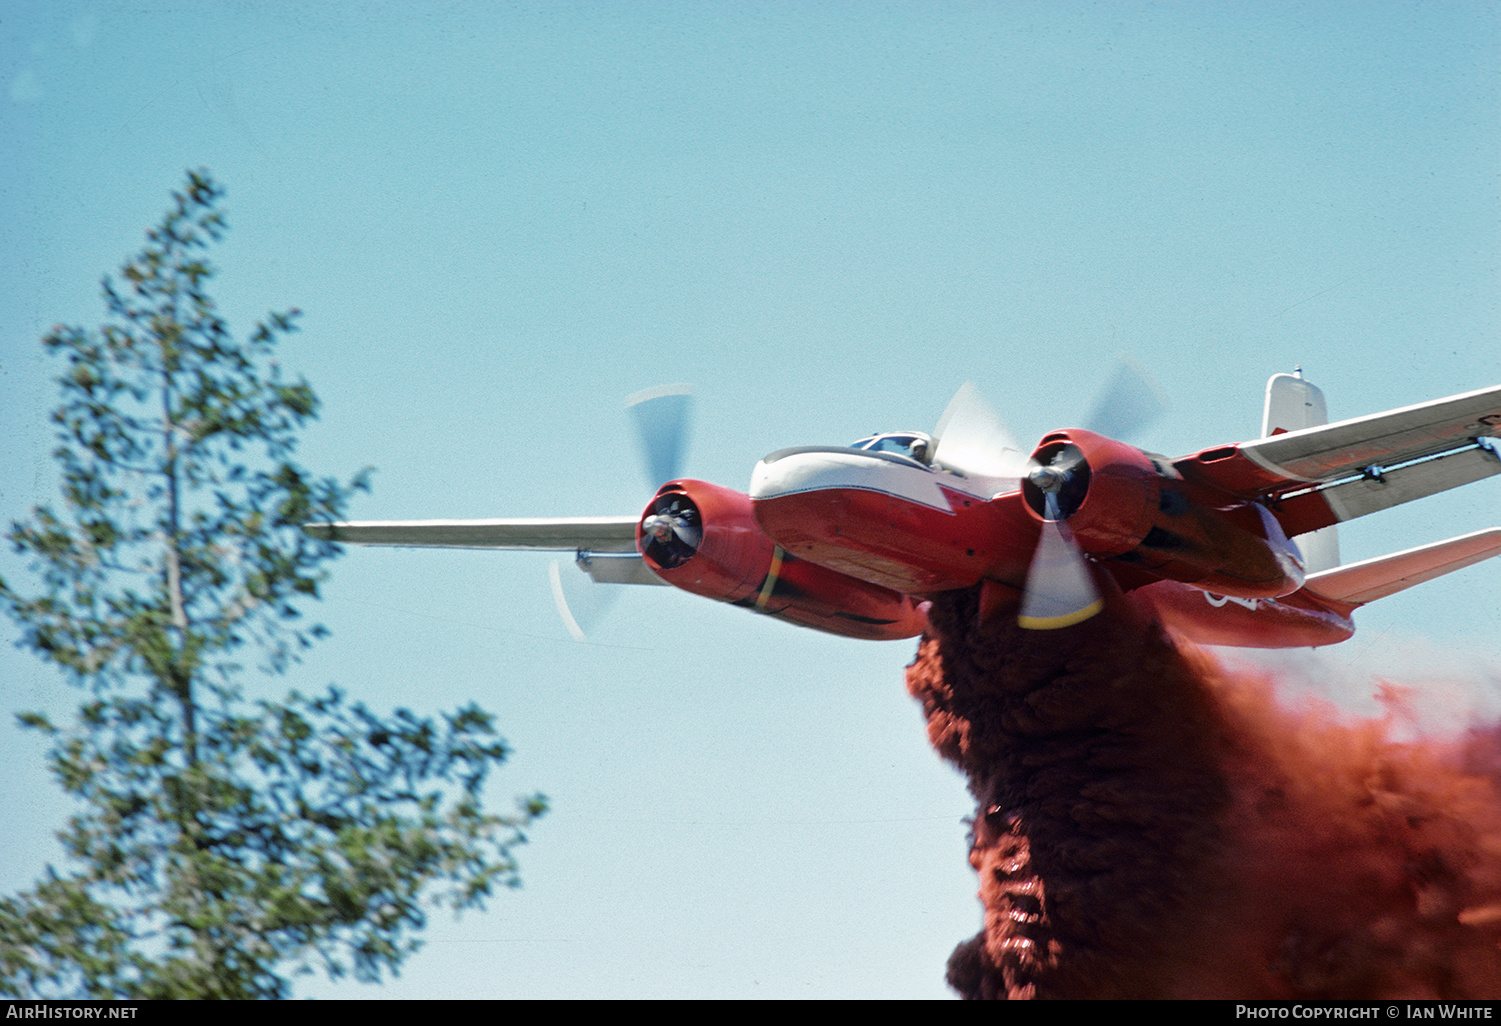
1294	403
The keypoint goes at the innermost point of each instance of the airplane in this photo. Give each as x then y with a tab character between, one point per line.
1230	545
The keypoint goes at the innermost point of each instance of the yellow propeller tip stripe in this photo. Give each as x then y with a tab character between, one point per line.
1052	623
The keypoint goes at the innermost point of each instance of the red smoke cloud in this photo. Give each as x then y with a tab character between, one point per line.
1151	824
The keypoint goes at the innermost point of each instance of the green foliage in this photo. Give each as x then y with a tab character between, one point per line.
223	843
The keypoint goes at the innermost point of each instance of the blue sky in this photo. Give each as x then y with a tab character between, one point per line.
501	219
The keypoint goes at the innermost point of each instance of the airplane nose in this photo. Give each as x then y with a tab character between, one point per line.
789	472
878	517
793	471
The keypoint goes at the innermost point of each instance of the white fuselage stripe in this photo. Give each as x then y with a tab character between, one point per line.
804	472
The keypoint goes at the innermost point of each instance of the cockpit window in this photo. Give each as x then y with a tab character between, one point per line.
912	444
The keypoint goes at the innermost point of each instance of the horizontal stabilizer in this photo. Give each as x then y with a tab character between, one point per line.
558	534
1371	579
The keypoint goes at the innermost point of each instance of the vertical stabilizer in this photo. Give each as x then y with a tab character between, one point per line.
1294	403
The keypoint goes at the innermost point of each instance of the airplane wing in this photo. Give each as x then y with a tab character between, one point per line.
1318	476
605	547
560	534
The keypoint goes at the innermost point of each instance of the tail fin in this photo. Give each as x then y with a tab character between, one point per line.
1371	579
1293	403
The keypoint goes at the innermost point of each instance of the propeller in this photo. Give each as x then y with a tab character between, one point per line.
673	529
971	440
586	607
1060	589
661	416
1130	401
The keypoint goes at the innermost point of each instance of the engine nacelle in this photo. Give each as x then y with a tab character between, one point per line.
1120	503
704	539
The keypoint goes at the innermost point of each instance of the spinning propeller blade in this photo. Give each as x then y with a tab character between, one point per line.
1131	400
970	439
581	603
661	415
555	577
1060	590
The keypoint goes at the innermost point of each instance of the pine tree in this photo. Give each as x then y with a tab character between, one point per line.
225	842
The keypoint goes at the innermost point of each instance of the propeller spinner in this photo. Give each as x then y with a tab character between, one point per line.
671	533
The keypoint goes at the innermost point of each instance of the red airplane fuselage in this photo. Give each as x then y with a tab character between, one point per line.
852	541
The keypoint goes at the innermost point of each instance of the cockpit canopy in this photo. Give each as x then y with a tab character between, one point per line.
912	444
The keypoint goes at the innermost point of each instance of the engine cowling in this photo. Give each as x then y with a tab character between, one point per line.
704	539
1122	504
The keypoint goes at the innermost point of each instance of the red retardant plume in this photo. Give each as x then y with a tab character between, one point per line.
1151	824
